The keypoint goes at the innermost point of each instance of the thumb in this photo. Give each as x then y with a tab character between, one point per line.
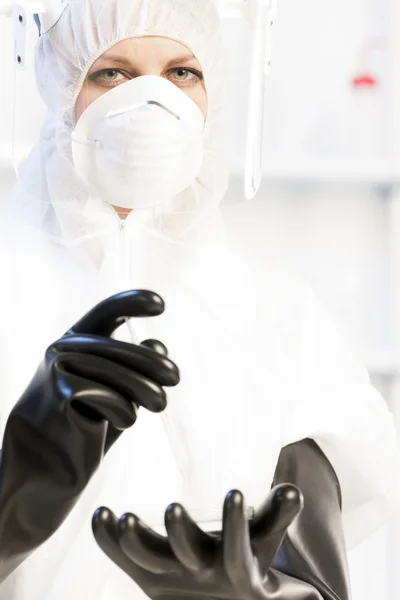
110	314
272	520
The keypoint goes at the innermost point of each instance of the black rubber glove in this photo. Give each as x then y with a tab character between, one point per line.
189	564
314	549
82	397
239	563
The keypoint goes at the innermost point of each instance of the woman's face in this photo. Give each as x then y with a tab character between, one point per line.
144	56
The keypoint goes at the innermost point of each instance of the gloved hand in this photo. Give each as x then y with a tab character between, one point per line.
83	396
234	564
242	563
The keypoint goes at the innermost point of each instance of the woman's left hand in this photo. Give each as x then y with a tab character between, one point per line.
233	564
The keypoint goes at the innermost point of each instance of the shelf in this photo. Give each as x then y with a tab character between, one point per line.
368	172
383	364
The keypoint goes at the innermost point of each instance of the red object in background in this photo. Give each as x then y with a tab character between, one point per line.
365	80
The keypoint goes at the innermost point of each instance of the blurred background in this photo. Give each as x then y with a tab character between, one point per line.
329	205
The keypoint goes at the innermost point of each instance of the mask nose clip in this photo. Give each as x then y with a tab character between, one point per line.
120	111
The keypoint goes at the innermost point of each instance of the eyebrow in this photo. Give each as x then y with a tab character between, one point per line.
175	62
181	60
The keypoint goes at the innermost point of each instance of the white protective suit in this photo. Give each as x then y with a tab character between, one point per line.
261	363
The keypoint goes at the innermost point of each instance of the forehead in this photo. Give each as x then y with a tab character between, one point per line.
155	48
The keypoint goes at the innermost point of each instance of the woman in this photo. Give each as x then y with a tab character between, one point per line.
122	192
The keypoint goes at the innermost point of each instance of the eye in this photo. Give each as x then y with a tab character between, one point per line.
108	77
183	74
186	76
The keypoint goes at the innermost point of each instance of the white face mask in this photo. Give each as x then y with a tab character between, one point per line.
139	144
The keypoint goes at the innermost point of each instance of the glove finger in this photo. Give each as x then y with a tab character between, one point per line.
95	401
194	548
272	520
145	547
145	361
134	387
156	346
110	314
239	563
105	531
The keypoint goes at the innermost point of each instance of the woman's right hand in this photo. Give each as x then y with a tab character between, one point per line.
83	396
